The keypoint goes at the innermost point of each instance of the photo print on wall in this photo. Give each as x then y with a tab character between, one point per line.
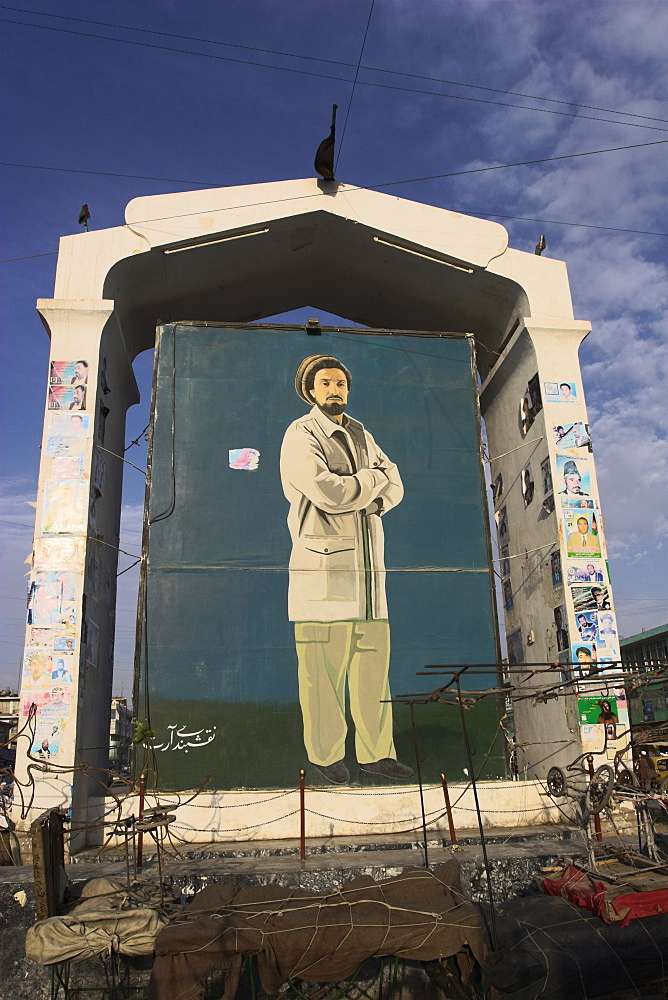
68	373
581	532
596	598
67	397
561	392
573	477
507	594
585	572
587	625
546	476
572	437
584	656
501	518
528	485
515	650
505	561
561	625
530	404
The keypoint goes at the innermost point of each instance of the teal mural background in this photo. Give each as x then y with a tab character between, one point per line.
217	647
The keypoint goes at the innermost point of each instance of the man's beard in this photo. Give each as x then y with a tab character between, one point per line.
332	408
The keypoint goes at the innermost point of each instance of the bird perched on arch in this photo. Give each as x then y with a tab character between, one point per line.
324	157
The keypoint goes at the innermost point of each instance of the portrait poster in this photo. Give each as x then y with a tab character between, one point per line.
515	649
64	644
572	437
581	532
58	705
590	598
583	571
505	561
46	743
501	518
597	709
584	657
67	425
526	412
573	476
561	626
546	476
507	589
45	603
63	668
587	625
67	397
534	395
607	628
528	484
561	392
68	373
65	507
37	667
548	504
555	569
297	534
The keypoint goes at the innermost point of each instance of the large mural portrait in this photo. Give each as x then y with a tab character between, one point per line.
316	533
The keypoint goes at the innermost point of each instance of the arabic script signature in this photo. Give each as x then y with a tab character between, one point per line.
181	740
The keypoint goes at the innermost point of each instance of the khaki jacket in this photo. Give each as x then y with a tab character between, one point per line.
337	567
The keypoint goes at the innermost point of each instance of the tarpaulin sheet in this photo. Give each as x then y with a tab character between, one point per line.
320	937
611	903
108	918
549	949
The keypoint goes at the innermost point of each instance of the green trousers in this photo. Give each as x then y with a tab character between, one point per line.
328	654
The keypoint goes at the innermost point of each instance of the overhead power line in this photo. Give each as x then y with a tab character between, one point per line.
352	92
330	62
457	173
325	76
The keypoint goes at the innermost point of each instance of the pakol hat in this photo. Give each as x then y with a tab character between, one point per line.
310	366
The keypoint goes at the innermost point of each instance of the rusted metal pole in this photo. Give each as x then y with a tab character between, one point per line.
597	818
448	809
302	815
140	835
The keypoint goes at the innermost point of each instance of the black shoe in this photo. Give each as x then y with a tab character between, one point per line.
336	773
388	768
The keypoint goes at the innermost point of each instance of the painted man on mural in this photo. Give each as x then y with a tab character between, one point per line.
339	484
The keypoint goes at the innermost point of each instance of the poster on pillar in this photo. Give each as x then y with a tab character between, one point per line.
317	533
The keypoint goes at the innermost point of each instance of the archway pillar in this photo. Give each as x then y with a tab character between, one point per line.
535	524
68	654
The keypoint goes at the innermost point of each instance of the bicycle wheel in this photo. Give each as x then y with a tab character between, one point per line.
600	789
556	782
626	777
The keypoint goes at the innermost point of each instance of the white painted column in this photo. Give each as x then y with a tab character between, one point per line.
68	658
548	567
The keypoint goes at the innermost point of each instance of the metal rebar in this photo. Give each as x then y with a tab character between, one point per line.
483	844
419	774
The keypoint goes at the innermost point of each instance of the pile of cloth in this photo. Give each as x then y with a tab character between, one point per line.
107	917
319	937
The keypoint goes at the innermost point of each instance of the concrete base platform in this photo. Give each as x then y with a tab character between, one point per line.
515	858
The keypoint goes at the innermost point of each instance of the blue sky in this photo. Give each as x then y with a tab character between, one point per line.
181	105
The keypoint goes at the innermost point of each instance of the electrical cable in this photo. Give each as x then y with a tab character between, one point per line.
325	76
352	92
331	62
369	187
